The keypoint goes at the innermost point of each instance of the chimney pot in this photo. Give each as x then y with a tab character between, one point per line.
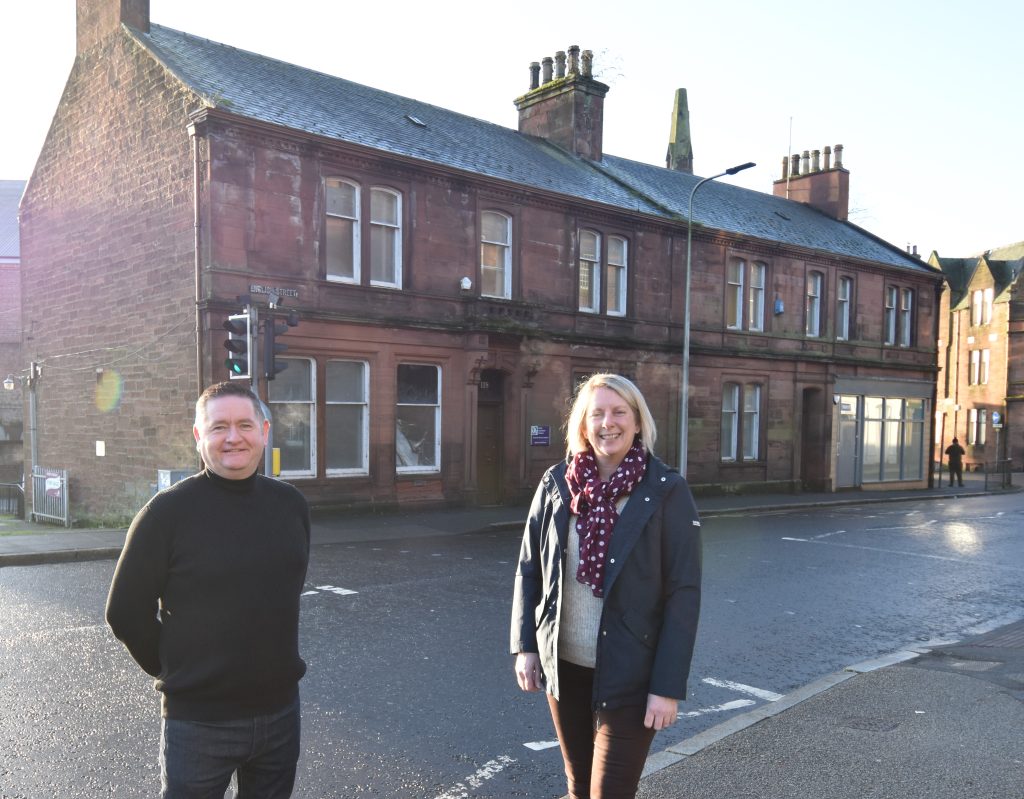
569	113
574	60
534	74
547	61
588	63
805	182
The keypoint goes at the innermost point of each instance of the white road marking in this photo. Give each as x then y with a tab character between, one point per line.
736	704
826	535
885	551
905	526
333	589
760	693
489	770
538	746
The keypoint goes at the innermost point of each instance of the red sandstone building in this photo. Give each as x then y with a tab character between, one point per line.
453	281
981	357
11	399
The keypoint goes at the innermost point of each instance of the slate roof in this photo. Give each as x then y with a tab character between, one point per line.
959	272
1011	252
10	196
267	90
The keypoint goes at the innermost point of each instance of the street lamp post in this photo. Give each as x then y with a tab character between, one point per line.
684	401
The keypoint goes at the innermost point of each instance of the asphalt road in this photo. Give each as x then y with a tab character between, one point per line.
410	691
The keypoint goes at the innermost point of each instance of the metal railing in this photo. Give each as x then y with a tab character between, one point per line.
998	474
50	495
12	500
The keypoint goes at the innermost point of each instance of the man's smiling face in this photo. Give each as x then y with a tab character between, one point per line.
231	436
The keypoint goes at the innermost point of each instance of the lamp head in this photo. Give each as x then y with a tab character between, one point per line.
9	383
734	169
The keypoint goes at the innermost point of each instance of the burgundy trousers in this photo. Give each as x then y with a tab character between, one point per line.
605	751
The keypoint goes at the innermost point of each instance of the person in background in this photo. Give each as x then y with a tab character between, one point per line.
956	453
205	597
607	591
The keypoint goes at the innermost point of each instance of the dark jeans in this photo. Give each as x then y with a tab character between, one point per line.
604	751
956	470
198	758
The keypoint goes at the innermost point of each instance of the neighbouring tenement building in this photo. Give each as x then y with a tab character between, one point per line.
981	357
453	281
11	397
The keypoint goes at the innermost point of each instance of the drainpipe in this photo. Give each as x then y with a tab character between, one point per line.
935	390
197	228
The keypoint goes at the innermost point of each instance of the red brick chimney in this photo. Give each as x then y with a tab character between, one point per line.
826	188
97	19
566	108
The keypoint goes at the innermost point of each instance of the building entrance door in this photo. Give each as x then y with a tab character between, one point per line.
490	448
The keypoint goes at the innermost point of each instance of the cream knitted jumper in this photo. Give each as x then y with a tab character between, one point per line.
580	619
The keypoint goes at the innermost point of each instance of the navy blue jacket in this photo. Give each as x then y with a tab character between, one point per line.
651	588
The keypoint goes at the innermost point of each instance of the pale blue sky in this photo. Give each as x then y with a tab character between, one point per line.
925	96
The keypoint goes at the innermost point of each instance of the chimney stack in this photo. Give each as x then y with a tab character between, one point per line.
806	181
567	108
680	149
98	19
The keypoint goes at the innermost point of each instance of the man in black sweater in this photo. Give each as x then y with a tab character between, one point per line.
206	599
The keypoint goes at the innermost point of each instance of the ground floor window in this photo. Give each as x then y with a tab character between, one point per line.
893	439
741	421
418	418
346	418
292	396
977	419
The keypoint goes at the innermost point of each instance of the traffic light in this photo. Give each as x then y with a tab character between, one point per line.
272	328
239	346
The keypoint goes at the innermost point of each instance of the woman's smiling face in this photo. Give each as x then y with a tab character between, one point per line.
611	426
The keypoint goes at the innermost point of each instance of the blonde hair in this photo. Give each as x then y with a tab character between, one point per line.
575	426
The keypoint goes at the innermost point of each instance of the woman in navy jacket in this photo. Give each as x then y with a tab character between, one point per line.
607	591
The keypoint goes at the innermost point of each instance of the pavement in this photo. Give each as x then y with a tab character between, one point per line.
942	722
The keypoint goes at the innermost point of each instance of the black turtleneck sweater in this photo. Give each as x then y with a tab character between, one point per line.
206	595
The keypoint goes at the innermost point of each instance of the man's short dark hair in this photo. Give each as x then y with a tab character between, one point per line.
227	388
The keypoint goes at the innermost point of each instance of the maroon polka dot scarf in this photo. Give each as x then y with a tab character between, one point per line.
594	503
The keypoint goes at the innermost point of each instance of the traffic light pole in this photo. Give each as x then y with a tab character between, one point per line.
268	451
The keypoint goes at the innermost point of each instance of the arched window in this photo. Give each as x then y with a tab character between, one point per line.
385	237
590	271
342	244
495	255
